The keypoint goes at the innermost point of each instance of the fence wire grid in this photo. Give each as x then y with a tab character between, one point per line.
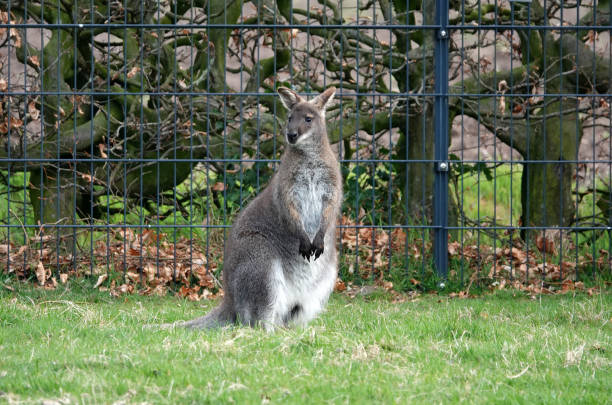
474	137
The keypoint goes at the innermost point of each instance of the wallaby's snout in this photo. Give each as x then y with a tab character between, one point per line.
292	137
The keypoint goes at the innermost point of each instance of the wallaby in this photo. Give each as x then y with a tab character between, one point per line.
280	258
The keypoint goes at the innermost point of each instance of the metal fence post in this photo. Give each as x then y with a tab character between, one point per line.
441	140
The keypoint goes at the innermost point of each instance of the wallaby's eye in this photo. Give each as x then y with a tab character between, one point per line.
308	119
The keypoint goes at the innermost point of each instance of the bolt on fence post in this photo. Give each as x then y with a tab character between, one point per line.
441	141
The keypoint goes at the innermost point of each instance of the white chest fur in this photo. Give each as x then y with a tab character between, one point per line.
309	190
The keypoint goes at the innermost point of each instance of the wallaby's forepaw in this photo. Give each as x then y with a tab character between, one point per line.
317	247
305	249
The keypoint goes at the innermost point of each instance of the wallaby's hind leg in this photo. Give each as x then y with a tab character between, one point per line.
258	317
253	292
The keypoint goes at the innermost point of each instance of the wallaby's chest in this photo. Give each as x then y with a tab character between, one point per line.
310	188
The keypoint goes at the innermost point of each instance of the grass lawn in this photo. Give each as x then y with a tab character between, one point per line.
76	345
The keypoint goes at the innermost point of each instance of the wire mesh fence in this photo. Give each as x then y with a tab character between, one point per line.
474	137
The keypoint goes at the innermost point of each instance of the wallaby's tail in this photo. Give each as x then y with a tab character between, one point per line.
218	317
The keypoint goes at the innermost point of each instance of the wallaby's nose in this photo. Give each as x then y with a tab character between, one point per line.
292	137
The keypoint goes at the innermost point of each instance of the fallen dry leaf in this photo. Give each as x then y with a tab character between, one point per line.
545	244
218	186
190	293
14	123
387	285
102	149
41	273
34	60
519	374
340	285
33	111
453	248
101	279
15	34
502	105
574	356
133	71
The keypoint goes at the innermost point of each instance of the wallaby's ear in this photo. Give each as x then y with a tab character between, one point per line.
324	99
288	97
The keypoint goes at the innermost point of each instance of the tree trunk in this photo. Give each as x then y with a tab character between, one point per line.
417	179
546	195
53	195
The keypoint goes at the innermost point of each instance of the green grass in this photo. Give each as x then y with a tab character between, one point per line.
79	345
498	198
15	207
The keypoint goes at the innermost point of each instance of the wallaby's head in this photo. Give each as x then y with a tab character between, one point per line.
306	119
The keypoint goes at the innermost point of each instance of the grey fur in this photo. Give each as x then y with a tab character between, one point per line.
280	258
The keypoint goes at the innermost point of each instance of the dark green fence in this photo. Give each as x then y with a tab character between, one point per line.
474	137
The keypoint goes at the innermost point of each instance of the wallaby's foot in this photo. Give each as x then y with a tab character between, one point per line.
317	245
